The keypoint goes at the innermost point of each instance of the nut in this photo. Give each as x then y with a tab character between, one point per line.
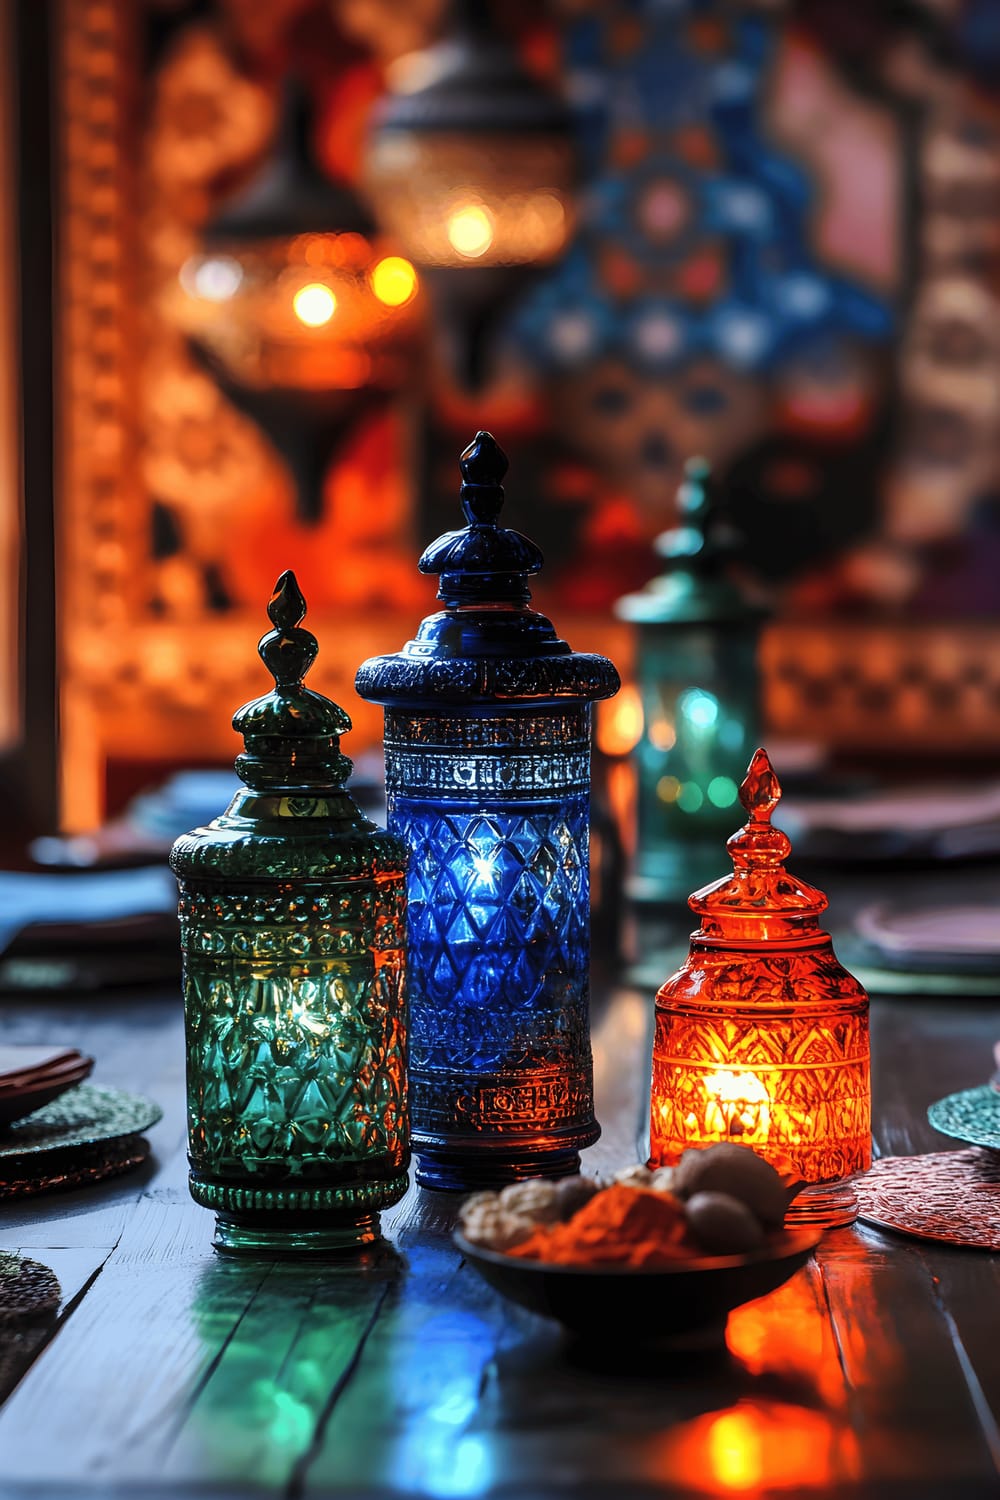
535	1199
738	1172
638	1176
573	1193
488	1225
475	1199
663	1180
723	1224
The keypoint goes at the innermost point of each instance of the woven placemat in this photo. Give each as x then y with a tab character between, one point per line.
972	1116
952	1196
27	1289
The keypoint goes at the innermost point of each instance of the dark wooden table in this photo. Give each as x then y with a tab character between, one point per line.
171	1371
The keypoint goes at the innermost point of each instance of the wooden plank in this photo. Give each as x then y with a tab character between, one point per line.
966	1288
125	1353
183	1374
923	1049
912	1408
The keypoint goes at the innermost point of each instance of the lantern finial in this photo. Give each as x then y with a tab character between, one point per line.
483	465
286	651
758	845
760	792
291	735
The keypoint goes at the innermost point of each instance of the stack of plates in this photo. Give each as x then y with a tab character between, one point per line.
33	1076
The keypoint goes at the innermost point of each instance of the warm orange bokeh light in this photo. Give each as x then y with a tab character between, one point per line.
394	281
470	230
619	722
314	305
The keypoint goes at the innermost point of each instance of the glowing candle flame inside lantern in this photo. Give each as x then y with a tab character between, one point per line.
484	866
739	1107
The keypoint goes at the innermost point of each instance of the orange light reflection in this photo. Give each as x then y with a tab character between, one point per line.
752	1446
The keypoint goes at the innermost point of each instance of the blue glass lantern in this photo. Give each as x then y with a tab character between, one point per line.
487	752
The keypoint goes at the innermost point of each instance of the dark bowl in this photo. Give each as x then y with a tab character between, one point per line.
693	1297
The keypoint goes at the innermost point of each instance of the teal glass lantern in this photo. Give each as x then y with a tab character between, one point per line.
293	914
697	677
487	753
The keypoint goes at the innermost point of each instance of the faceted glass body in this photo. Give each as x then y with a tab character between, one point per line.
494	806
698	684
296	1057
764	1049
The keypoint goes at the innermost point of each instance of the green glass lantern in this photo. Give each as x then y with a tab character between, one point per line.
293	916
696	666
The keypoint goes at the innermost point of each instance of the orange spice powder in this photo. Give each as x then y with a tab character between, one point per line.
619	1226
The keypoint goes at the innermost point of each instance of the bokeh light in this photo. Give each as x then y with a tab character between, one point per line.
314	304
470	230
394	281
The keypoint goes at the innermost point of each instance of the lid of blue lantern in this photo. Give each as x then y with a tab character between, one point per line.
487	645
697	585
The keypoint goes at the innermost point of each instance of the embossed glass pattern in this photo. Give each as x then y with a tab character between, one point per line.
296	1062
762	1036
498	920
293	926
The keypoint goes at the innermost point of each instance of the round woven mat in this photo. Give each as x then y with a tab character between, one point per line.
27	1289
972	1116
952	1196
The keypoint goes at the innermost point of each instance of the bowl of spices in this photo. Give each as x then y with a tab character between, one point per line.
653	1256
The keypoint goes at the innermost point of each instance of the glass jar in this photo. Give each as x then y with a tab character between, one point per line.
293	911
487	740
761	1037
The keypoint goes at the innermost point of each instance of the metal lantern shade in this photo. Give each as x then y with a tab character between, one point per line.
762	1036
697	636
293	936
471	160
487	743
298	310
471	166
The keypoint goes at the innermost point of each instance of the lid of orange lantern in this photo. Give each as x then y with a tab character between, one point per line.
760	903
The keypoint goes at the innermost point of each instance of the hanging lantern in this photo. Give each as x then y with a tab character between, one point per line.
487	745
762	1037
302	315
696	663
471	167
292	929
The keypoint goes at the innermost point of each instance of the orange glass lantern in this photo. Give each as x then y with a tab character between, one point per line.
762	1036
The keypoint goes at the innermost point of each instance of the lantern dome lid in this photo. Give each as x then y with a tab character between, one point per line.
486	645
290	194
483	560
697	585
760	903
471	82
295	820
291	735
